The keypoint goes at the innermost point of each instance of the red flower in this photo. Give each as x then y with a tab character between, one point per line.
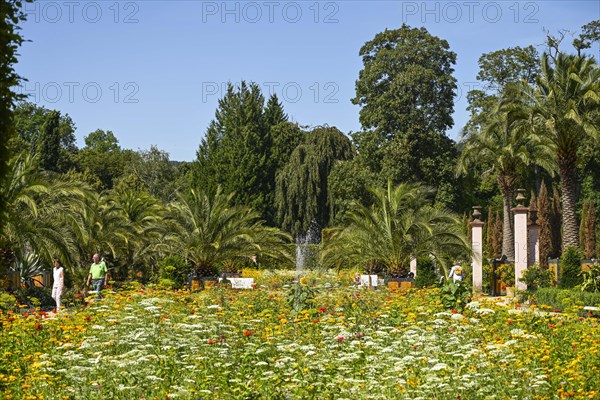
25	315
37	326
247	333
78	295
454	311
322	309
10	319
87	318
341	338
211	341
551	326
556	310
359	335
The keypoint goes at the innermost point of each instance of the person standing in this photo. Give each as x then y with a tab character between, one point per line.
98	274
456	273
59	282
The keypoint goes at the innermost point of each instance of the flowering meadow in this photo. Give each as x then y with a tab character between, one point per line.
341	343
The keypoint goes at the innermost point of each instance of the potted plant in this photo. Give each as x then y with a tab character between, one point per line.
506	275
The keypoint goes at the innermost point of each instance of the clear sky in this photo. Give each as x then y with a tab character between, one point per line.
153	71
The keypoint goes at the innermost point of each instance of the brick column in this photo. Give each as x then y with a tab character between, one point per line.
477	248
521	242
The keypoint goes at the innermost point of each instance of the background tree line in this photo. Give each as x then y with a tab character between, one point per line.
533	125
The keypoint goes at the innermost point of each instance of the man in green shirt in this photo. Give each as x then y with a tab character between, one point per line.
98	274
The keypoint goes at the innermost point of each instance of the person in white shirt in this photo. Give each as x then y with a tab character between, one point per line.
59	282
456	273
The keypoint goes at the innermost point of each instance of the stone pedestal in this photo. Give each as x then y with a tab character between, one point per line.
521	241
477	248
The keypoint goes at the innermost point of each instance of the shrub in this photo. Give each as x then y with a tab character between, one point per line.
570	268
455	295
563	299
591	279
536	277
36	297
426	275
175	270
7	302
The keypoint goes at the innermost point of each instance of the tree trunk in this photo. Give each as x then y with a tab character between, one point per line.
568	179
508	238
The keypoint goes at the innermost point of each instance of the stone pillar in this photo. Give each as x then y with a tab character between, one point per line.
521	255
477	248
534	239
413	266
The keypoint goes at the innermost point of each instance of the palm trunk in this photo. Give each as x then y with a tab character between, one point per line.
568	179
508	238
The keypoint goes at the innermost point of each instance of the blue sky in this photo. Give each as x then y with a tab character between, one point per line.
153	71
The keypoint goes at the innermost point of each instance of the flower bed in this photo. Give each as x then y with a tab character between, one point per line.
226	344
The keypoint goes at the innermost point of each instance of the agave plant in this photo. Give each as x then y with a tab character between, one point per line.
26	266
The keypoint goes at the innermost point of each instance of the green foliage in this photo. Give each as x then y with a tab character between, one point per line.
302	197
43	210
455	295
591	279
406	83
570	268
426	276
301	295
100	141
506	273
11	14
407	102
26	265
563	299
400	225
235	153
348	183
155	173
562	106
174	269
46	133
208	230
536	277
35	297
7	302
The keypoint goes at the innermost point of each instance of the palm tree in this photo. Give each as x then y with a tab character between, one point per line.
564	105
399	226
505	150
40	208
102	228
142	215
209	231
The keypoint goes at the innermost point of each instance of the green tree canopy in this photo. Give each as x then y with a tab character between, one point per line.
406	83
236	150
302	194
11	14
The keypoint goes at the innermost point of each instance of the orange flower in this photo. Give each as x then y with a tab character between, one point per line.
247	333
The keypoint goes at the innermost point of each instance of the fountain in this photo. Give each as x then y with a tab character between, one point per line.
304	252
